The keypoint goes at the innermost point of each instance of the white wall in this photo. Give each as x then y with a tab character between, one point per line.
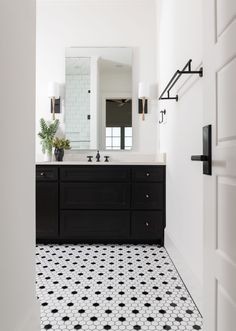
180	38
129	23
19	310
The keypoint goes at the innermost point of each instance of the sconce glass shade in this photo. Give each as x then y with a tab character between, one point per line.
143	90
53	90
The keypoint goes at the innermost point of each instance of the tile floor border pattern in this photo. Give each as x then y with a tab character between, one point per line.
112	287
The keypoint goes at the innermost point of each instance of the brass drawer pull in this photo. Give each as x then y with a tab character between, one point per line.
147	174
147	196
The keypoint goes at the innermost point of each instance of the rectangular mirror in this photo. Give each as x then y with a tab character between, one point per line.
98	98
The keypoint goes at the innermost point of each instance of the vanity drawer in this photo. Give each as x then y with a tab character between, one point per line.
147	224
95	195
95	173
97	224
148	174
48	173
148	196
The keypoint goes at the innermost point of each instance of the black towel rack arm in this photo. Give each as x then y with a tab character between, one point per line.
186	70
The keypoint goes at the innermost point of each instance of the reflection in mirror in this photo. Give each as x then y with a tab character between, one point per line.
119	124
98	98
78	102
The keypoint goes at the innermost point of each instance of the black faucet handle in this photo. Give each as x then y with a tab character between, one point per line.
89	157
106	158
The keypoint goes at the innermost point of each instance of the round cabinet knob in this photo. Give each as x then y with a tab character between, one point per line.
42	174
147	224
147	196
147	174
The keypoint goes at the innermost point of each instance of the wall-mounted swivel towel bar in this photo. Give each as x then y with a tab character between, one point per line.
186	70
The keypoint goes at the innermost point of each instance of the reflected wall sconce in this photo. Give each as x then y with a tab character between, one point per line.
143	95
54	95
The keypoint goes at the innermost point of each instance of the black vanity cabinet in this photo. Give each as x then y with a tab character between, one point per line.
100	203
47	207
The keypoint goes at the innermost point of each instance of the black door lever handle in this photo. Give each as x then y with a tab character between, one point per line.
199	158
206	158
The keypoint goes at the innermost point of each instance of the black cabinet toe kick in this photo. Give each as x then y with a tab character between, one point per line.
106	204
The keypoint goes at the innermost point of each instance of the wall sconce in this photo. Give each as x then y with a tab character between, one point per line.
54	95
143	95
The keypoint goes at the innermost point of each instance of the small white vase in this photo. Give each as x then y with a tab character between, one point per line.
47	157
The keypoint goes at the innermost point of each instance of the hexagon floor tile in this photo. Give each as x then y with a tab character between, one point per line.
112	287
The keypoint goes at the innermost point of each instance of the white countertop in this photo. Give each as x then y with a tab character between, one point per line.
100	163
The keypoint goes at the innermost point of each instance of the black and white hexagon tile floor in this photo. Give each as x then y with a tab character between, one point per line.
112	287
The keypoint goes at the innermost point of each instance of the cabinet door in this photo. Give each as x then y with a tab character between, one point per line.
148	196
95	195
147	225
46	210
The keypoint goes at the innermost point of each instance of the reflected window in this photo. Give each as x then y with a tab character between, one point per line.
119	124
128	138
119	138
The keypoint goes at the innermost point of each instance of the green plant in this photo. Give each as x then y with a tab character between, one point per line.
61	143
47	134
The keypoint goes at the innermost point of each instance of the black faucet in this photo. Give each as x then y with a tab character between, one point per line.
98	156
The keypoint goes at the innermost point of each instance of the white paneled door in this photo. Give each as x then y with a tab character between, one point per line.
220	188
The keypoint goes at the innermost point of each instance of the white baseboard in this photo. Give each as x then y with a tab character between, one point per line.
190	280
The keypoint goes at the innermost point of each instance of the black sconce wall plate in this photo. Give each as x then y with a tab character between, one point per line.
140	106
57	106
